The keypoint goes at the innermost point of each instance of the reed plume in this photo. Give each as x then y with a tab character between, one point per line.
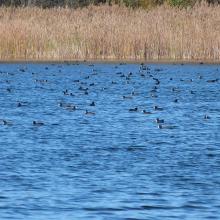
110	33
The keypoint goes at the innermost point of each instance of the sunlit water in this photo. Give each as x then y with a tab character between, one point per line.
115	164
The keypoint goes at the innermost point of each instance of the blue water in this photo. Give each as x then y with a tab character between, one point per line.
113	164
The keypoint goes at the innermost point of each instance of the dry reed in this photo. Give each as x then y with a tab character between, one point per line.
111	33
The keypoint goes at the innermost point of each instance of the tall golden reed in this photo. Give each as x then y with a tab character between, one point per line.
111	33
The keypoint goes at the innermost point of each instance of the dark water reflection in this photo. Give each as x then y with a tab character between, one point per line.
115	164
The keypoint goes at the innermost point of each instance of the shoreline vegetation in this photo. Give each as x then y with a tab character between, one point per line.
110	33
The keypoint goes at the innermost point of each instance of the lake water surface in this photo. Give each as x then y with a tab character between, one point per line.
111	163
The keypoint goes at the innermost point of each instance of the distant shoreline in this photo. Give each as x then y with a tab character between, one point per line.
122	62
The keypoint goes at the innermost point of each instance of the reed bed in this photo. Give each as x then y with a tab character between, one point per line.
110	33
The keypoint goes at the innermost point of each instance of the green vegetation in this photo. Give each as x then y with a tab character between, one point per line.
81	3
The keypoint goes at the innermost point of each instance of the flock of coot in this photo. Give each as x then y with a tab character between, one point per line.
84	85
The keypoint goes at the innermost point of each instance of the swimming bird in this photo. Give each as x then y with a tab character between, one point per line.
89	113
159	121
83	89
67	106
4	122
19	104
146	112
119	73
134	93
154	90
206	117
157	81
66	92
38	123
127	97
61	104
22	70
154	96
158	69
143	67
133	109
212	80
71	108
174	89
158	108
92	104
